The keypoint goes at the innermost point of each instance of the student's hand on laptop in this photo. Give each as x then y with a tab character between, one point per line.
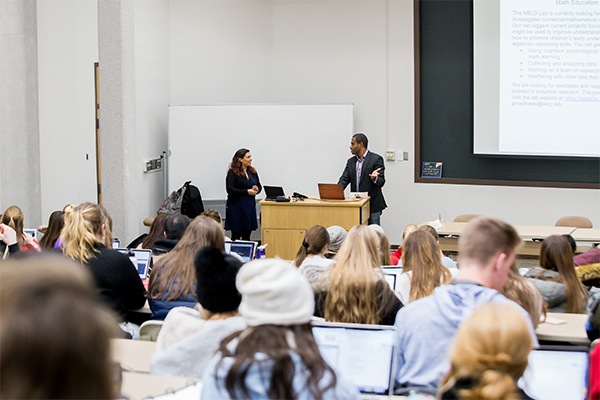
375	173
8	235
27	237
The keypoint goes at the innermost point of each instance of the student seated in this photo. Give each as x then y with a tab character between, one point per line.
13	217
446	261
426	326
190	337
384	248
397	255
56	222
489	356
422	268
337	234
354	289
556	279
523	292
276	357
87	237
157	231
55	333
310	259
175	226
172	280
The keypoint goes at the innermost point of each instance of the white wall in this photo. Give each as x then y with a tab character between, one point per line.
19	134
152	98
67	51
248	51
338	52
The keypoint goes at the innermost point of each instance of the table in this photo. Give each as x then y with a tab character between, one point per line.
532	236
134	354
590	237
138	386
284	224
573	331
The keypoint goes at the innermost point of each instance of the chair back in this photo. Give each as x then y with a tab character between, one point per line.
465	217
576	221
150	329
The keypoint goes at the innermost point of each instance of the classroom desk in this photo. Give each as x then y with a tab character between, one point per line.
590	237
134	354
532	236
138	386
283	225
573	331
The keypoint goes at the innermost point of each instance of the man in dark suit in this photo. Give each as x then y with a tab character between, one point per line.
365	173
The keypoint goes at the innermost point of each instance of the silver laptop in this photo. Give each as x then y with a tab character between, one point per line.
556	373
243	248
32	232
365	354
141	259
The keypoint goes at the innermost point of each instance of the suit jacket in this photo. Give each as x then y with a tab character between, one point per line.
371	163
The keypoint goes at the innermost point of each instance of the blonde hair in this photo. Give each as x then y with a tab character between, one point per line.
351	295
490	350
421	255
523	292
384	249
13	217
178	264
81	230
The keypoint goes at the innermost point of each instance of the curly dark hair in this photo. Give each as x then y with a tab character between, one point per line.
236	164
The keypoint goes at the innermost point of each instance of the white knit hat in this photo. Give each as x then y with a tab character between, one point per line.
337	234
274	292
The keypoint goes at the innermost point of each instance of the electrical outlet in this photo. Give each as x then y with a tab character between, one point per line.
402	155
405	156
389	155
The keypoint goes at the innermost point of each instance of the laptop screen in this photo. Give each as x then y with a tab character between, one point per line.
244	249
140	259
364	353
556	373
391	280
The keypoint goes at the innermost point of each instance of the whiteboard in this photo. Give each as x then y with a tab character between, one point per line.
294	146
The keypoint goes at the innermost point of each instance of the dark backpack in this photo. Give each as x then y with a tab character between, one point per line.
191	205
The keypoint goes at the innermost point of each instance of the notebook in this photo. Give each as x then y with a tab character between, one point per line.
273	191
331	191
556	373
141	258
365	354
243	248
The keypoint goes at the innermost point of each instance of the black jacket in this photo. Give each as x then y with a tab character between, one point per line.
371	163
237	186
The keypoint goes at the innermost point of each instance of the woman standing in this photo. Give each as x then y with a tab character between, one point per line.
242	187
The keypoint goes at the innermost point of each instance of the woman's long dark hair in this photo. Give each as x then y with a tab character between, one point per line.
272	340
236	164
156	230
55	225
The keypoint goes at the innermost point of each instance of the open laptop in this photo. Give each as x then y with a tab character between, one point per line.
141	259
331	191
273	191
391	275
556	372
365	354
32	232
243	248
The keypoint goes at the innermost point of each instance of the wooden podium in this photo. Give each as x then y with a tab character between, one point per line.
284	224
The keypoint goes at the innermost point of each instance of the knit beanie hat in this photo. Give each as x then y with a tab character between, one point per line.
377	228
274	292
215	275
337	234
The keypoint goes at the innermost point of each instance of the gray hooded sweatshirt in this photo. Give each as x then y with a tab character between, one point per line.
427	326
